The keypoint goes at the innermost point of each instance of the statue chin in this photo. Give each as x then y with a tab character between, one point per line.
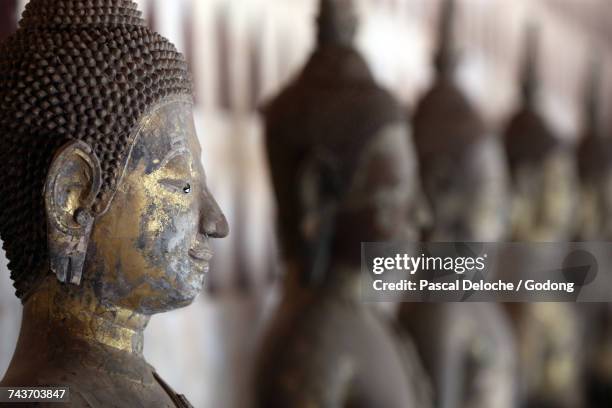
185	292
172	300
157	297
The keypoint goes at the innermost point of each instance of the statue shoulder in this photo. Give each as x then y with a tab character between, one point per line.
333	351
91	388
179	400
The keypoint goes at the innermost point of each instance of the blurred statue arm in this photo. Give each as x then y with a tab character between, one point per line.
450	373
414	368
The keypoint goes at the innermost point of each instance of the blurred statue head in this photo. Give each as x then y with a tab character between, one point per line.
101	181
541	164
352	195
462	166
342	162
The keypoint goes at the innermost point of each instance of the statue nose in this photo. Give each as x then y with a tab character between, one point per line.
212	220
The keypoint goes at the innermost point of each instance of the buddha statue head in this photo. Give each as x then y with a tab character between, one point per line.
541	164
342	161
102	180
103	197
461	164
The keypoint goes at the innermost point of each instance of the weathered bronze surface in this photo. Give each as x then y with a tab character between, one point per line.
544	185
344	172
467	349
106	216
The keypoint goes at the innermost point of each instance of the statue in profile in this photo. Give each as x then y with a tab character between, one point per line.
544	182
105	213
467	348
344	172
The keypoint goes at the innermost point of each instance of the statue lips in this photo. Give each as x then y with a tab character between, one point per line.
201	253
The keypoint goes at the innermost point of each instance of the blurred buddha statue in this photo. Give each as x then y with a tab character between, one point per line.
105	213
542	166
543	181
467	348
343	172
595	168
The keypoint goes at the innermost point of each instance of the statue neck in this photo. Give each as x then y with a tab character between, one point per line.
68	325
79	315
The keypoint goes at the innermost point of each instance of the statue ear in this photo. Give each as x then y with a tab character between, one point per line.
73	182
320	197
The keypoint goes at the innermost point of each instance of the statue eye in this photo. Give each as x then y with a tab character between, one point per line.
179	186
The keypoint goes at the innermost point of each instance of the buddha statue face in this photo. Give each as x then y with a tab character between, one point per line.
384	196
149	252
468	194
376	197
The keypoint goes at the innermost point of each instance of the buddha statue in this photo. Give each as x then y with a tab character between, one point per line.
467	348
343	172
595	166
541	164
543	184
595	170
105	213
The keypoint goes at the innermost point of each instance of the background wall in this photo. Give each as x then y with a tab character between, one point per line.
241	52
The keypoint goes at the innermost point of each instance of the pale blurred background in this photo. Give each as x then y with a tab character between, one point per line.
242	52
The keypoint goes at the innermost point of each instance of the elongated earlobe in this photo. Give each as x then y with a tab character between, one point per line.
320	198
73	182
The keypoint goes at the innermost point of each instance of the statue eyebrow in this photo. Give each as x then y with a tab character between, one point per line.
179	151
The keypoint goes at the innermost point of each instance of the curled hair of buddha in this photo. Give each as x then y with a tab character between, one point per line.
83	70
